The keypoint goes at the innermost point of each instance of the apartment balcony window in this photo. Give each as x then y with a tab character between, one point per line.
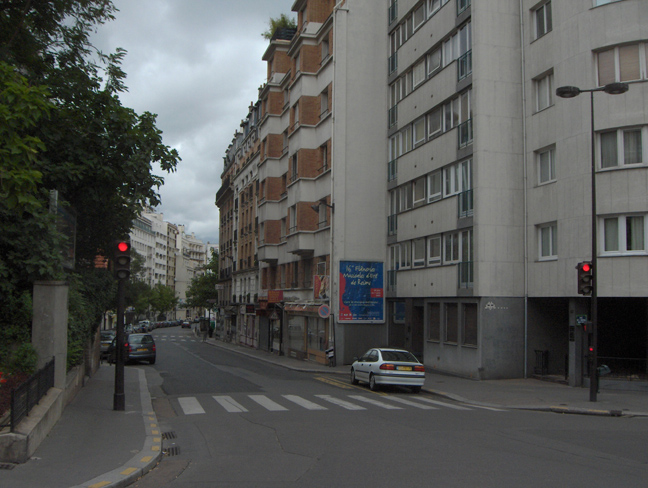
464	65
465	204
393	116
462	5
392	170
393	12
465	133
392	225
391	280
465	271
393	63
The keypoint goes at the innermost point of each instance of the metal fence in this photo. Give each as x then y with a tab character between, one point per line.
27	395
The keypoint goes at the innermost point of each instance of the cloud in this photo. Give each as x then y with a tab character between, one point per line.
197	65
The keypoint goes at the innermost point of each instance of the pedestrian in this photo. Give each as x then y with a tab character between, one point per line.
204	330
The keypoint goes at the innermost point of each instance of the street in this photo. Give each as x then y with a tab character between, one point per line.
229	420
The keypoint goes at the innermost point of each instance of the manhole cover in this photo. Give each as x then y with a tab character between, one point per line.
169	435
171	451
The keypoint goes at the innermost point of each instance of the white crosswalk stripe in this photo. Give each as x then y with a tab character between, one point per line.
265	402
190	406
229	404
302	402
340	403
373	401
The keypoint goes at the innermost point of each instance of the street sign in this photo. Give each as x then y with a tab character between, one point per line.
581	319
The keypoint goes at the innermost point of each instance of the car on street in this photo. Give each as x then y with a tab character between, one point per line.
186	324
137	347
388	366
107	337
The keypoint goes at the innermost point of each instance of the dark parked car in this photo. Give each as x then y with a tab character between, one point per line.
137	347
107	337
186	324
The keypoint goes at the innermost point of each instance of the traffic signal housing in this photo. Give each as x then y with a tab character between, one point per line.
585	278
122	259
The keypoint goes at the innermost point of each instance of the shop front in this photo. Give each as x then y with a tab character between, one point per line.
307	332
248	333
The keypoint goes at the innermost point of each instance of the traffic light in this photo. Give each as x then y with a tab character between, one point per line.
585	278
122	260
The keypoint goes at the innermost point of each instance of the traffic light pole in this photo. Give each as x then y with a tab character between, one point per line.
119	400
594	301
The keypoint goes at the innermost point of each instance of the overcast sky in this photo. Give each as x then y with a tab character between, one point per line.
197	65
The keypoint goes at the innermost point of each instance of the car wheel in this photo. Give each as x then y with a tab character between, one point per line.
416	389
373	386
152	361
353	378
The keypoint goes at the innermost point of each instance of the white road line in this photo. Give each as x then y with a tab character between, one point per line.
411	403
375	402
229	404
302	402
340	403
442	404
265	402
190	406
485	408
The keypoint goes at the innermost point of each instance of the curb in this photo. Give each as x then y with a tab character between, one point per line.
146	459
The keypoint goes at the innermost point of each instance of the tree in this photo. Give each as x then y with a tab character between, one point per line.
281	22
202	289
162	299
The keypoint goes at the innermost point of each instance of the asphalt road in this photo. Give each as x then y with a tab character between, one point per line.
232	421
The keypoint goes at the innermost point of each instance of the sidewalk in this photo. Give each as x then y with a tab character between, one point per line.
91	438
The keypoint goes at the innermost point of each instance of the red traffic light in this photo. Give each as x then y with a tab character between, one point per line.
586	267
122	246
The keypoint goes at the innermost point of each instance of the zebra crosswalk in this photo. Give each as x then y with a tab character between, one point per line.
170	338
247	403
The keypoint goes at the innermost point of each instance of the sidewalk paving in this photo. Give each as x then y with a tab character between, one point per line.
91	438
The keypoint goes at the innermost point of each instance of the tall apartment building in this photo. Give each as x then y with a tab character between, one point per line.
415	159
142	240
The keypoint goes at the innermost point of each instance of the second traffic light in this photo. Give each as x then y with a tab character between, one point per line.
585	278
122	260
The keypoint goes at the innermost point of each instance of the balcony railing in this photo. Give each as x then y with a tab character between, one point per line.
392	170
464	65
465	204
392	225
393	63
393	116
393	12
462	5
465	133
465	278
391	280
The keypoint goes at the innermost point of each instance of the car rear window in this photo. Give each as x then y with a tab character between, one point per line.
399	356
146	339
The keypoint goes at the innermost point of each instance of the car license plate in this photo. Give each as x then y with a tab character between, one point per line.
404	368
144	349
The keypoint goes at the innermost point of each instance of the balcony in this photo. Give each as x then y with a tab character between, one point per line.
393	63
301	243
392	170
268	253
393	116
464	65
465	200
391	280
392	225
393	12
462	5
465	133
465	274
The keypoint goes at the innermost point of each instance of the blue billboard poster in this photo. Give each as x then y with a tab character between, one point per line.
362	297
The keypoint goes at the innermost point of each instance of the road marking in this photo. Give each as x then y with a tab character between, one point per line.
340	403
302	402
190	406
411	403
485	408
442	404
375	402
334	382
265	402
229	404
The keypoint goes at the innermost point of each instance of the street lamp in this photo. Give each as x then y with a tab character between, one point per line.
571	92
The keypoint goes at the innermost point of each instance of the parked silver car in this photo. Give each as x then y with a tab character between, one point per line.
386	366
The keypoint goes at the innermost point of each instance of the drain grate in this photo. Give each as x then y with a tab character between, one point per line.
7	466
169	435
171	451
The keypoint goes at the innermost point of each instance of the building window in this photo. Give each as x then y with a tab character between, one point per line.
451	323
434	5
542	17
418	253
419	16
434	186
419	190
434	250
419	131
434	322
622	147
418	73
546	160
469	323
457	247
623	63
544	92
625	234
434	61
405	197
435	123
405	260
457	178
548	241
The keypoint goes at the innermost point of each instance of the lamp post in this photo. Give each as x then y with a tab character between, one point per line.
571	92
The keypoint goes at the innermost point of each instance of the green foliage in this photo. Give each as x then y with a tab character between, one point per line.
24	359
62	127
162	299
202	289
281	22
16	327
